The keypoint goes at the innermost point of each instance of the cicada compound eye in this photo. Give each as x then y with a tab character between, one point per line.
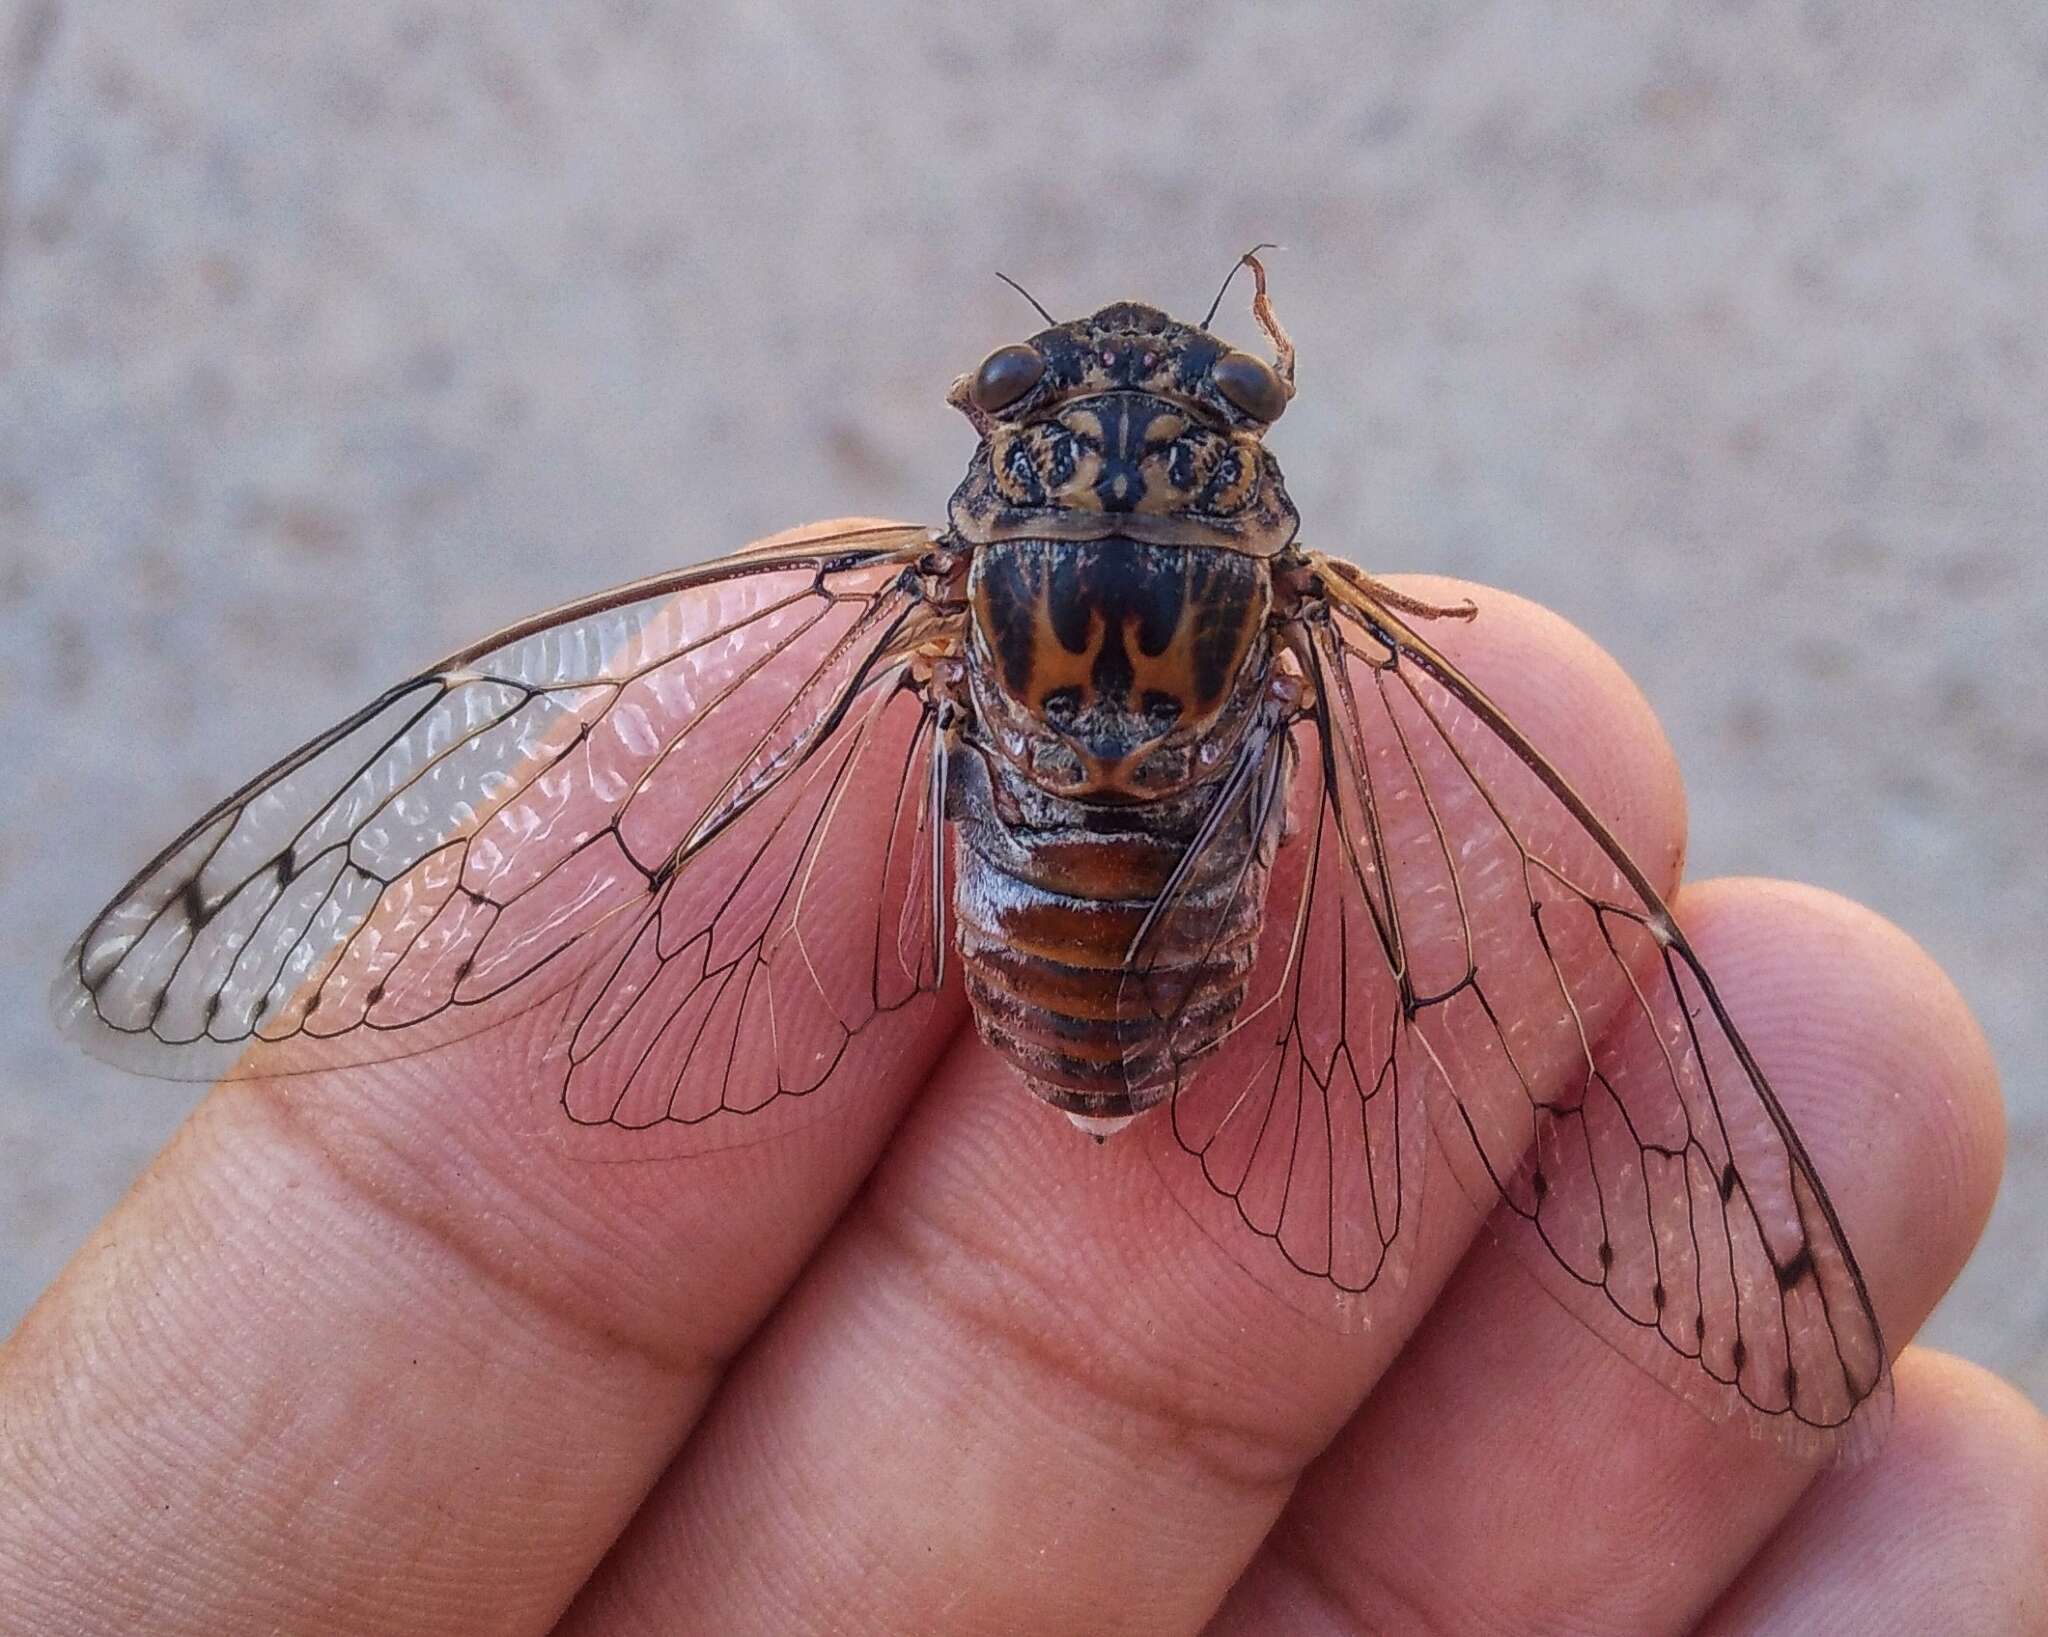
1005	376
1250	383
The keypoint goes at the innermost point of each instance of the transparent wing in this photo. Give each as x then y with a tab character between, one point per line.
1472	949
1300	1122
753	969
639	808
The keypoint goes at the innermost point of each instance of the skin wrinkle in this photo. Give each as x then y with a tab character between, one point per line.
1377	1603
173	1374
806	1579
420	1248
239	1484
1266	1464
472	1185
560	1304
798	1587
1372	1599
1390	1611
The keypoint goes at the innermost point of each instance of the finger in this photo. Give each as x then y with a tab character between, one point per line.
359	1352
1021	1390
1943	1531
1603	1502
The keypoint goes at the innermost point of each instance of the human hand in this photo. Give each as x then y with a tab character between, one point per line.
353	1358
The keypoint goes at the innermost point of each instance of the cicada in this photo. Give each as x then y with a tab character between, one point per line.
1203	817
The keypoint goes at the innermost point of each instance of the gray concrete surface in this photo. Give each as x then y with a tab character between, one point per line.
331	336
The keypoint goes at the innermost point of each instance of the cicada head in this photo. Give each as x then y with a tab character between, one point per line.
1126	423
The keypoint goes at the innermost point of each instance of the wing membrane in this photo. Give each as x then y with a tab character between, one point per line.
1454	940
1647	1169
752	970
651	774
1300	1120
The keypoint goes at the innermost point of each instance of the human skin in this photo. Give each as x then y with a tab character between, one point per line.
933	1363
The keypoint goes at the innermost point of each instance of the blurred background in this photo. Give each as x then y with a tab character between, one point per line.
332	337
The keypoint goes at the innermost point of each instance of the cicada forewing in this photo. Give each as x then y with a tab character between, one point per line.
1455	944
675	839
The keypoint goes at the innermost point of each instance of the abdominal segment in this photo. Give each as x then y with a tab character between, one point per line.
1047	904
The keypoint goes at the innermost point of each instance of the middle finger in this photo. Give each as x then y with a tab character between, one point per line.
1019	1392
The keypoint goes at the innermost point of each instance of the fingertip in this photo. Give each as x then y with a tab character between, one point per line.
1941	1531
1976	1439
1951	1402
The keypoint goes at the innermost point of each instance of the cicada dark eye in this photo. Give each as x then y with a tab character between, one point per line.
1005	376
1250	383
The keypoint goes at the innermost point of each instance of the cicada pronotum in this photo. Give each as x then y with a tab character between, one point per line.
1207	811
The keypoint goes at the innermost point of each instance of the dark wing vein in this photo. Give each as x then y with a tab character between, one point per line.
1298	1119
482	835
1577	1060
751	973
1454	941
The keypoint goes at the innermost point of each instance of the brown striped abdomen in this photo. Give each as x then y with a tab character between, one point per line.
1046	910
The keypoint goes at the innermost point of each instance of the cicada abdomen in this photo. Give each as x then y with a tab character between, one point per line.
1114	684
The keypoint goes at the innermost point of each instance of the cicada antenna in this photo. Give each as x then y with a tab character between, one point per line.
1028	296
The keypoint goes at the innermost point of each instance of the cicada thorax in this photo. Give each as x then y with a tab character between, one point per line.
1112	684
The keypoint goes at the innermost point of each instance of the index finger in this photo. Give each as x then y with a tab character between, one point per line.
424	1366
